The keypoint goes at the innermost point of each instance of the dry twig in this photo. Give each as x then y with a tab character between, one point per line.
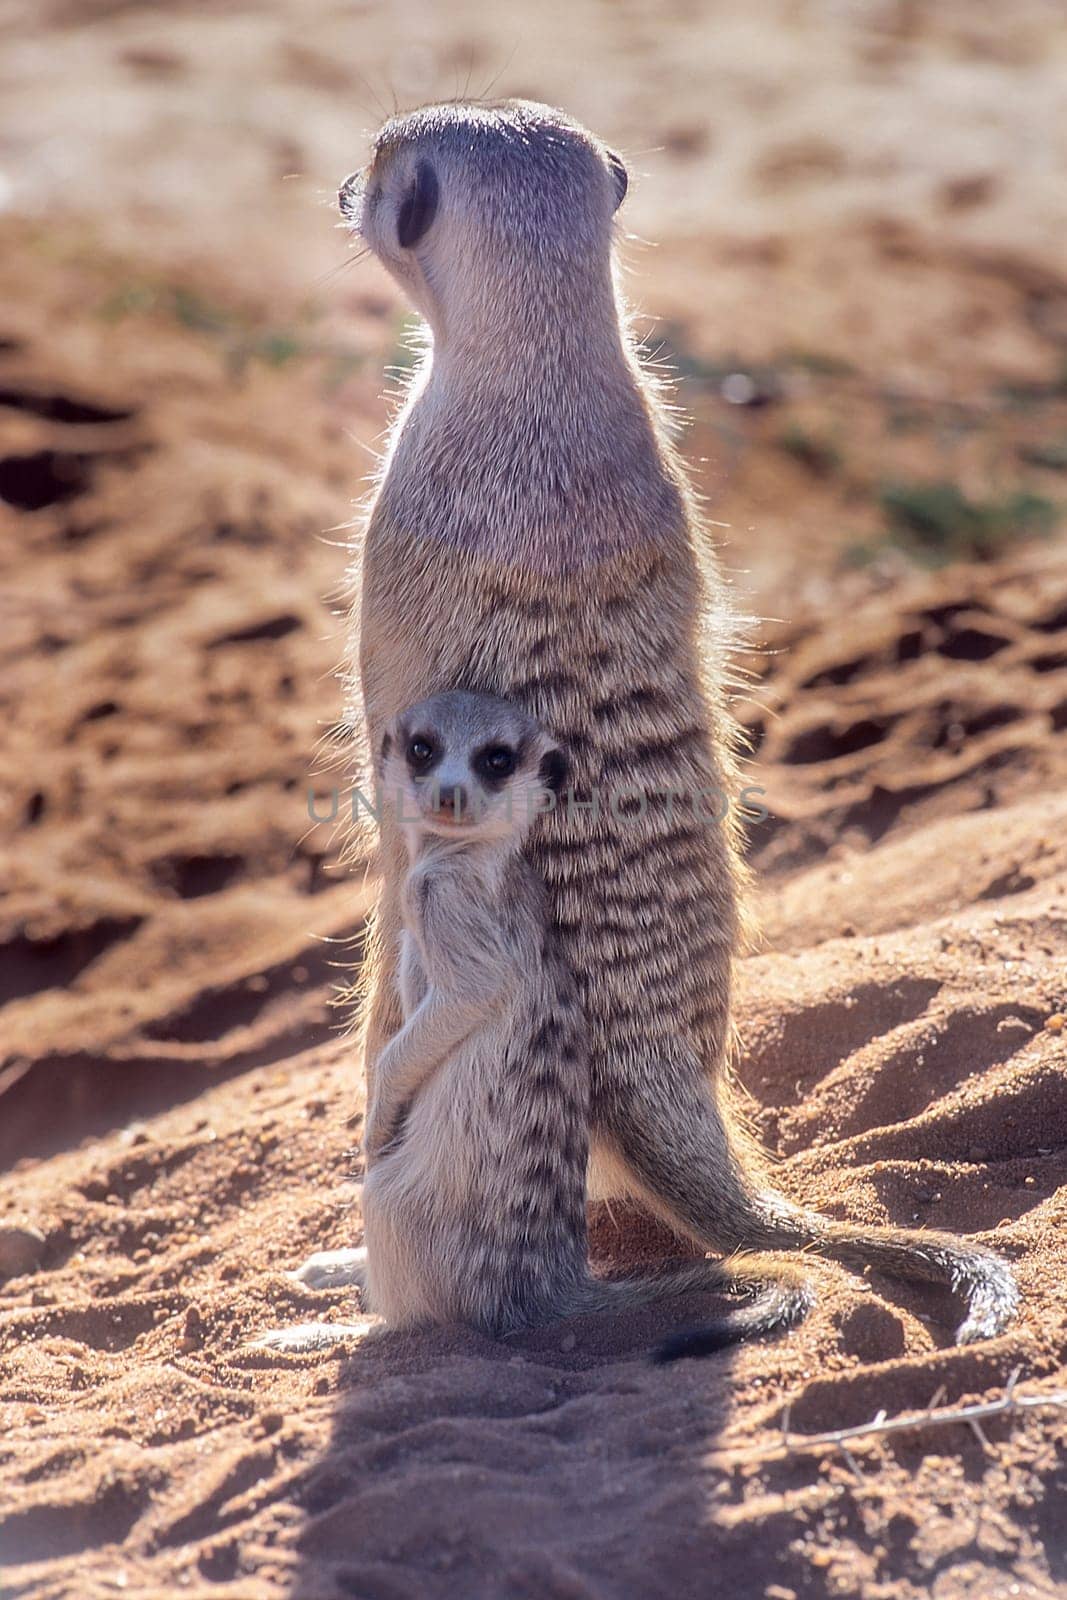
910	1421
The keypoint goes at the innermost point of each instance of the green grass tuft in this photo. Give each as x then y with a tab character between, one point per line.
1051	454
821	458
936	522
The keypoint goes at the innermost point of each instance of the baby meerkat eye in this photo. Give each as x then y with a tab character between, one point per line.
498	761
420	751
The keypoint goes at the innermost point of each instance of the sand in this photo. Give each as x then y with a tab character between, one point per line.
179	1102
175	1094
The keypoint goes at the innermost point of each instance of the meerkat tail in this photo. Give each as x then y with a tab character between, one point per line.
982	1280
777	1308
707	1187
778	1297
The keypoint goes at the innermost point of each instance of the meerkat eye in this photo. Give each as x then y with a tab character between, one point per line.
419	207
498	761
420	751
619	177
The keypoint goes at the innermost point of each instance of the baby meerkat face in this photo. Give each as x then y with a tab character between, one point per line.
469	767
452	187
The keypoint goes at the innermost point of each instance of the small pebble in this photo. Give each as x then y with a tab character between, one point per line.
21	1250
192	1332
1056	1023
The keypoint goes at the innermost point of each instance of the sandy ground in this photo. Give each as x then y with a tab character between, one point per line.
187	406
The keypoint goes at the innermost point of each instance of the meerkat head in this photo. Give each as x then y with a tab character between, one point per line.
470	768
458	197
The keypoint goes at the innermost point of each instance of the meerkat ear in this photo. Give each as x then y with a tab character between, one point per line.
619	173
387	745
419	206
554	769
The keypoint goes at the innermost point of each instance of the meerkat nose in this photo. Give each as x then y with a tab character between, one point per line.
348	191
452	798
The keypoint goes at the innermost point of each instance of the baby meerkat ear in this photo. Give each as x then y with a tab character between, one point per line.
419	206
387	745
621	177
554	769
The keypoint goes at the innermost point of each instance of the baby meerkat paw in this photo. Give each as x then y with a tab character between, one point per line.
308	1336
334	1269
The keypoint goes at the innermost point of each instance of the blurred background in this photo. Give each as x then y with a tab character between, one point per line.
844	237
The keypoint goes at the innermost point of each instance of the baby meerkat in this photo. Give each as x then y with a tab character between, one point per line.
534	536
474	1204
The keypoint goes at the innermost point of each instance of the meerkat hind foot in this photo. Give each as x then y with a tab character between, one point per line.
334	1269
304	1337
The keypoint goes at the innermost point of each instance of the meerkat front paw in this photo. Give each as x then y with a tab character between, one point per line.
334	1269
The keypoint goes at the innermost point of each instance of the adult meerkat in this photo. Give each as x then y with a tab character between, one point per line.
474	1205
533	536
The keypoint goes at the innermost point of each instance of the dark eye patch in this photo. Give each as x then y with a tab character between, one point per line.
419	206
422	752
495	764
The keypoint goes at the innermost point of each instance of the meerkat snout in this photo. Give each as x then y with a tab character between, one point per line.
469	766
450	801
350	197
